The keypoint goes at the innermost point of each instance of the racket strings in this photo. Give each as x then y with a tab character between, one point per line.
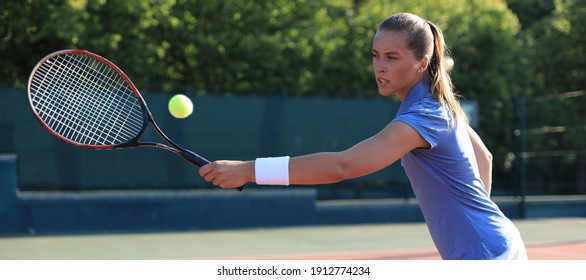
62	121
86	101
52	106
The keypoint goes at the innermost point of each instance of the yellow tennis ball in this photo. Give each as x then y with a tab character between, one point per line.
180	106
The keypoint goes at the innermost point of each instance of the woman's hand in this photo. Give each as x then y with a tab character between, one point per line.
228	174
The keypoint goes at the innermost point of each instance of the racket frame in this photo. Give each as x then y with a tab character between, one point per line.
188	155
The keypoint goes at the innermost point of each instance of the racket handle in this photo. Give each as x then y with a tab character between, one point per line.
199	161
194	158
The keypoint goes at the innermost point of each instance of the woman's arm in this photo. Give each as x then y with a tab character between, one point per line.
483	159
368	156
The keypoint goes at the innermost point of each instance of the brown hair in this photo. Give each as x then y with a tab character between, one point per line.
423	38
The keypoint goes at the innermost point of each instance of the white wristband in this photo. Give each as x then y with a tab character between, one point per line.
272	171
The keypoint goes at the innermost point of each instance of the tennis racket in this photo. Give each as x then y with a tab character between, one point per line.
87	101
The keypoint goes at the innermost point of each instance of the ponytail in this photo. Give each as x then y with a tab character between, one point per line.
441	84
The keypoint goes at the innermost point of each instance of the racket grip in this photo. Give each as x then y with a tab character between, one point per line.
199	161
194	158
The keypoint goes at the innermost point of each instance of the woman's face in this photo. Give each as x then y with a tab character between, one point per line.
395	67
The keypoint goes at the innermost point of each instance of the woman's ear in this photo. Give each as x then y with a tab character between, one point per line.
423	64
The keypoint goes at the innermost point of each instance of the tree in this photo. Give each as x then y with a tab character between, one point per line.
531	11
555	140
559	40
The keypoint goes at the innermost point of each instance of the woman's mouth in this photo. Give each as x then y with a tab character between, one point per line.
381	81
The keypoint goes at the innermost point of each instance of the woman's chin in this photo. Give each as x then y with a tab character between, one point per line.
384	92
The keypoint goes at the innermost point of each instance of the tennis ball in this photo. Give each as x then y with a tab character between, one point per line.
180	106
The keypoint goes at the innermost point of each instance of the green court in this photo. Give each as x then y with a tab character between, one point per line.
555	239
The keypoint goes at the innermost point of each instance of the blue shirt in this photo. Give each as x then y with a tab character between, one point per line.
463	222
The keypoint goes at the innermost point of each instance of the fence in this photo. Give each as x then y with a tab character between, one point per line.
552	153
221	127
551	158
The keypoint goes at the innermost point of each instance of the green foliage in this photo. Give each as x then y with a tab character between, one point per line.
531	11
555	140
202	46
557	44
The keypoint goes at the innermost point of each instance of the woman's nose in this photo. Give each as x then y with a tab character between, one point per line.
378	67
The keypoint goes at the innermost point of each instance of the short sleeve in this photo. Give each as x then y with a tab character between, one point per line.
428	119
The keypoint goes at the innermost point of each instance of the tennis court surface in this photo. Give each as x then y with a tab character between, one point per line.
546	239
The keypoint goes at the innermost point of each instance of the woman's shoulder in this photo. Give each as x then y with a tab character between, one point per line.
427	105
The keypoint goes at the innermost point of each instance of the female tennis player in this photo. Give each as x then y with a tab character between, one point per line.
447	163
